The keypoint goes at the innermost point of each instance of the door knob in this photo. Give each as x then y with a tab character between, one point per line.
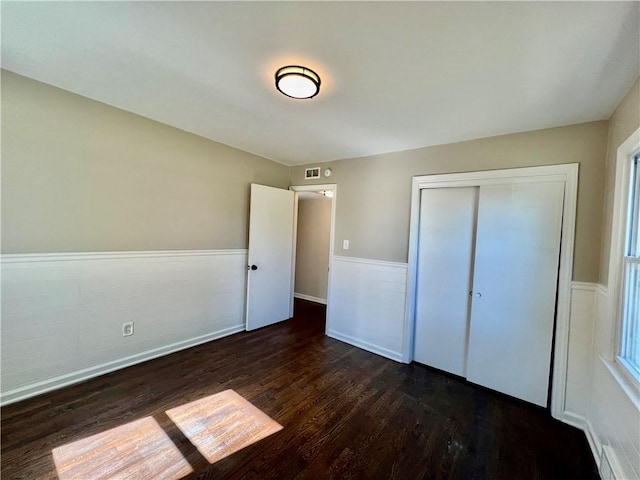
478	295
253	267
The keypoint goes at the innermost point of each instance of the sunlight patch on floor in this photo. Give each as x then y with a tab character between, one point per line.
217	426
139	449
222	424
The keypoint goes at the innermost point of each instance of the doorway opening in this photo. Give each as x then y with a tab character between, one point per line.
313	248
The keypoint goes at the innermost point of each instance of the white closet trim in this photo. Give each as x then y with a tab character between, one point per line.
568	174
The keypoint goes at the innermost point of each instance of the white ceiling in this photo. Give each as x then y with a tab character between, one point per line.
395	75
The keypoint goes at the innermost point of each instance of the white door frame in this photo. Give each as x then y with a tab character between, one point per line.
314	188
568	173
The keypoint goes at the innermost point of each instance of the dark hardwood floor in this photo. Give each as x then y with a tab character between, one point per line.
346	413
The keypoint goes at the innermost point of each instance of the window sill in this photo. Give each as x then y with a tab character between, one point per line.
630	387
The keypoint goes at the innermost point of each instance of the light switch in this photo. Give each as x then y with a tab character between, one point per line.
345	244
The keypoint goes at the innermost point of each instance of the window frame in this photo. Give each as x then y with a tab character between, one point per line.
623	371
631	249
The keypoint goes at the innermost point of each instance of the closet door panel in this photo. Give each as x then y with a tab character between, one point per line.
515	281
445	254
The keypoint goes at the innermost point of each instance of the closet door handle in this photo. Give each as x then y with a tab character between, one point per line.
477	294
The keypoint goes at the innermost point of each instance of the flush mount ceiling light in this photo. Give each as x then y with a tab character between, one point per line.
297	82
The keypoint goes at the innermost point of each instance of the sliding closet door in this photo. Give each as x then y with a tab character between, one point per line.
515	279
445	258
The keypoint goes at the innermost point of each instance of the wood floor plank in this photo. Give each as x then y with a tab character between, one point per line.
222	424
139	447
345	413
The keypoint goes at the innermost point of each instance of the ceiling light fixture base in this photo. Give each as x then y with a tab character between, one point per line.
298	82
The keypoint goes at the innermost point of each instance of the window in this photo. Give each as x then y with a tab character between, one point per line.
630	338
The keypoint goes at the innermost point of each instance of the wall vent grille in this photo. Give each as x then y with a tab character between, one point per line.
311	173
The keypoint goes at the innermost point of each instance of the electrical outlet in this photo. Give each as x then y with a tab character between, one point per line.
127	329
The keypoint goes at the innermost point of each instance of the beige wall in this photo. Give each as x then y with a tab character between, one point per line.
624	121
373	206
312	249
79	175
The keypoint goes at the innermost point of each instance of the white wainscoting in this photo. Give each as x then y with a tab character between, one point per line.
580	348
367	304
614	413
62	314
598	398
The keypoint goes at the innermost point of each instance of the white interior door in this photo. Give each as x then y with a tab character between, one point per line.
270	256
445	261
515	280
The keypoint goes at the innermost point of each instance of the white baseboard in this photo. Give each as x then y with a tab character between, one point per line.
44	386
594	441
397	356
609	466
574	420
310	298
583	424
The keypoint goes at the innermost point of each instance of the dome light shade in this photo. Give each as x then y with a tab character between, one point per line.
297	82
